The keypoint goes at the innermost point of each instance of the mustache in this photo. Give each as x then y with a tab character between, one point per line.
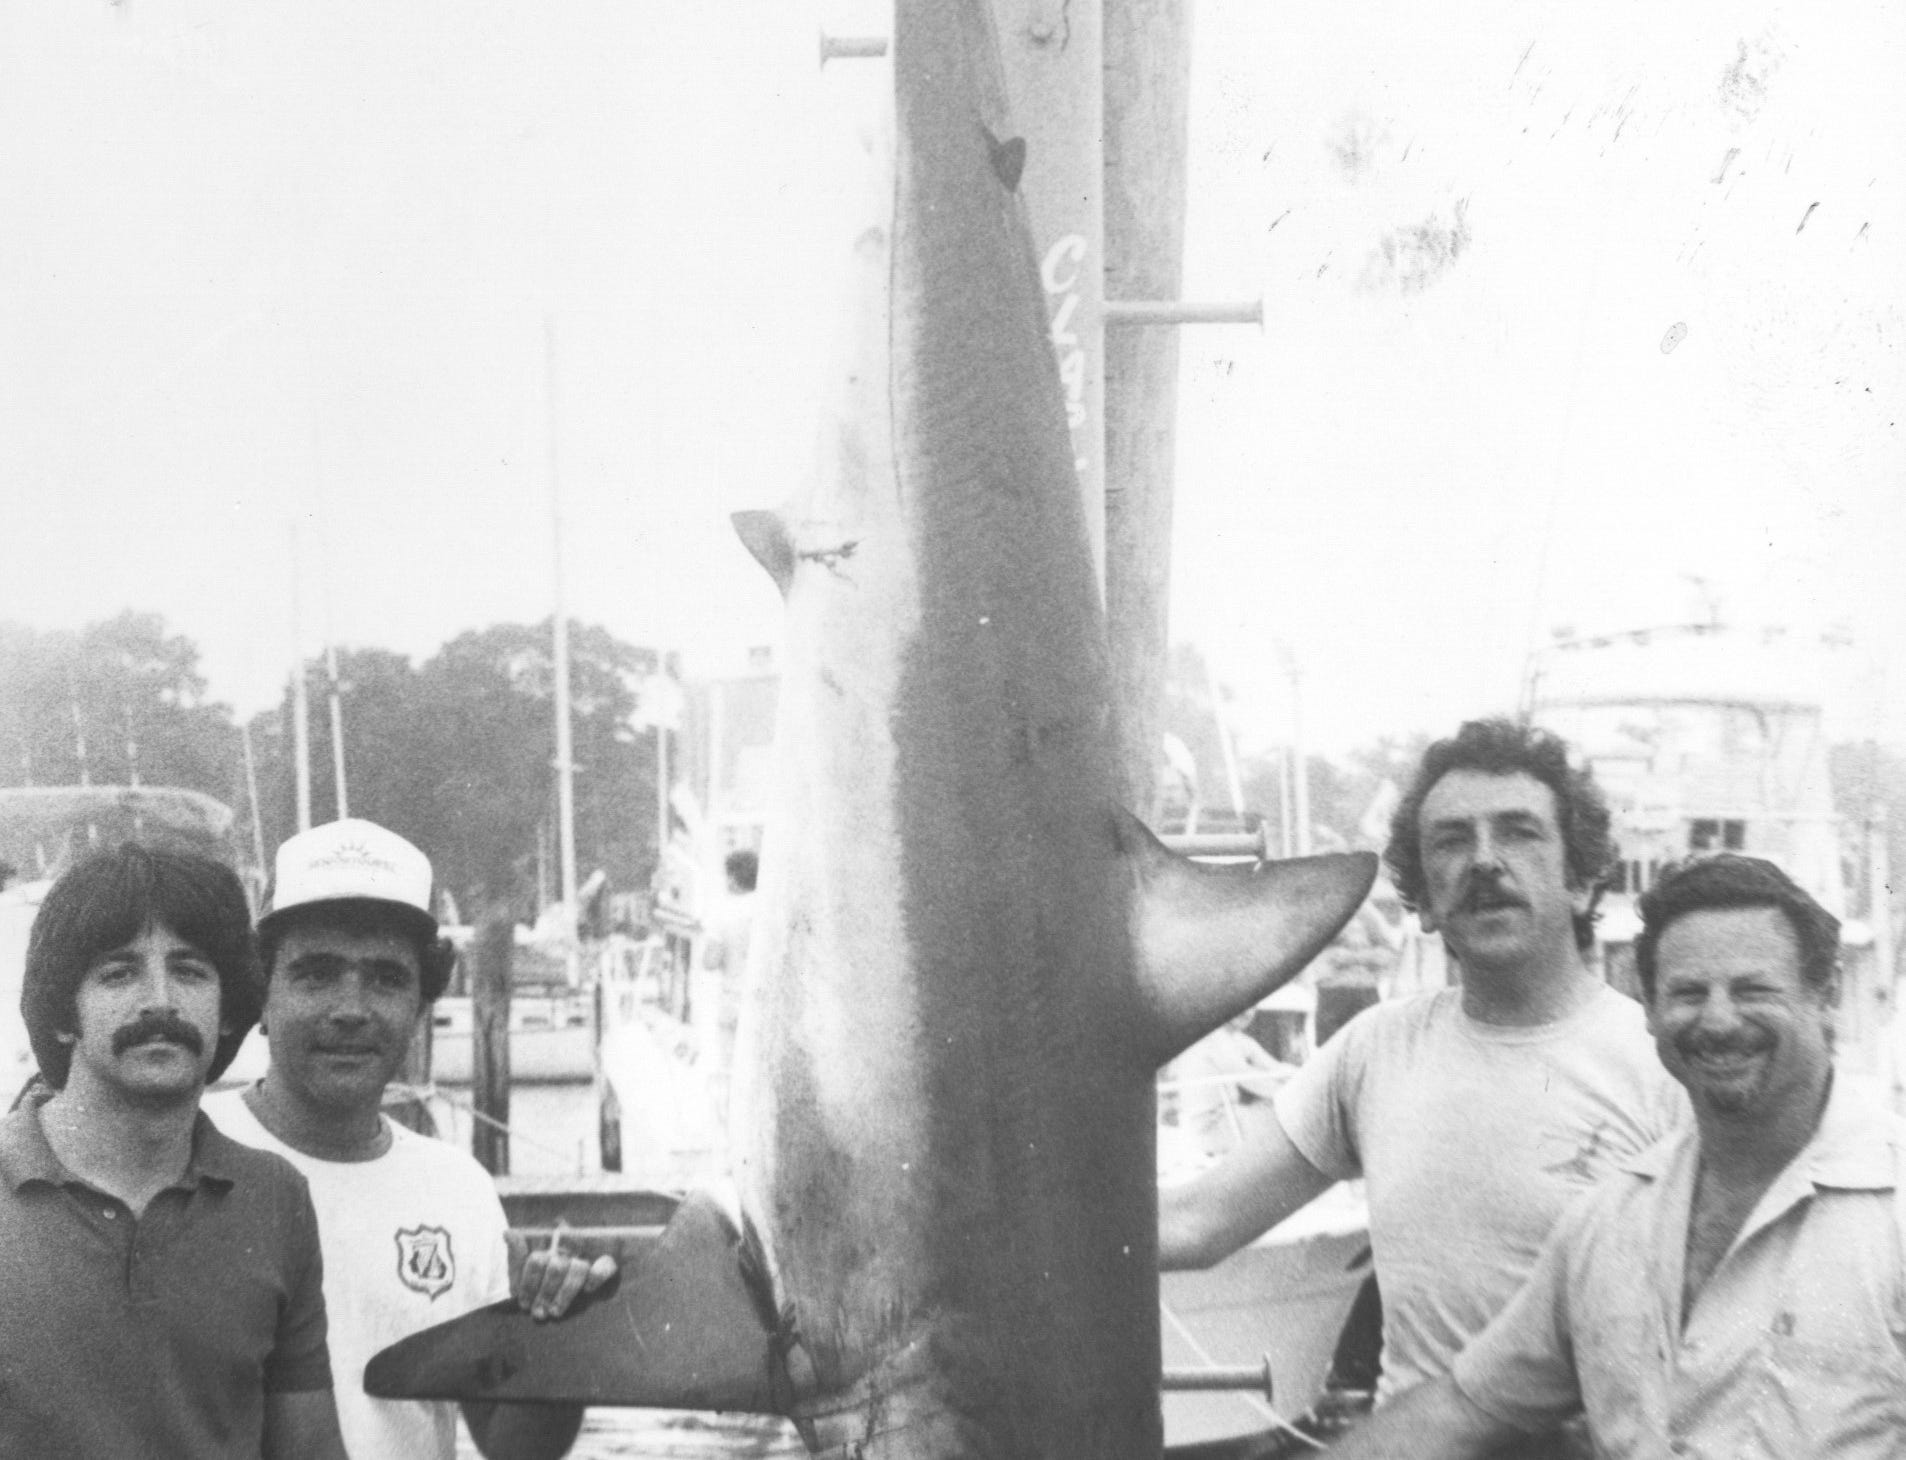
159	1024
1486	889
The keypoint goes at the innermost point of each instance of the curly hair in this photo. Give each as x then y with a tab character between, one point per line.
1729	881
1504	747
105	901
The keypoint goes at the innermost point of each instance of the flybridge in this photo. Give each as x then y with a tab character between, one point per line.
38	824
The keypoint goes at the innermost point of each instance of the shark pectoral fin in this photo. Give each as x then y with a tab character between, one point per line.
766	535
678	1328
1213	939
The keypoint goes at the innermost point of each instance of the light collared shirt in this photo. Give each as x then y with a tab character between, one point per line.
1795	1347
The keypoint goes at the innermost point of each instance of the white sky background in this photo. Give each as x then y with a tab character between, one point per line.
264	262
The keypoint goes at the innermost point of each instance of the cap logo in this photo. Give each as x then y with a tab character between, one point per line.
352	855
351	859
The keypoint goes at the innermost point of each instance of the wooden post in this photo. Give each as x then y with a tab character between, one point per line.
1053	60
490	1037
1147	89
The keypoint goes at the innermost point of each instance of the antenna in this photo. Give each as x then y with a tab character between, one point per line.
565	751
300	708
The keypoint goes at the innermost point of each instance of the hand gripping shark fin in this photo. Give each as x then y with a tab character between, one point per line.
766	535
684	1325
1212	940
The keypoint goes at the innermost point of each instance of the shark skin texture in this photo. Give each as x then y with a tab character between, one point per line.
969	961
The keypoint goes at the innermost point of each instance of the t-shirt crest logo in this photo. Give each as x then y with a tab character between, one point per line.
425	1261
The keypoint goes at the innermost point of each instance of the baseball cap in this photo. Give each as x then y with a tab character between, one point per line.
352	859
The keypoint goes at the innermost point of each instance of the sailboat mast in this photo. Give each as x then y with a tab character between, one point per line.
337	730
300	706
565	750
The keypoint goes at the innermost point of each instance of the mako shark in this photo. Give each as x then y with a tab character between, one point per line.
971	962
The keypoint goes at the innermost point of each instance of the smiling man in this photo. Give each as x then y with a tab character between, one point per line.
161	1286
1737	1292
412	1228
1476	1113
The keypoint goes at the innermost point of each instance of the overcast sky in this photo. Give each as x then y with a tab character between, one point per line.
1567	306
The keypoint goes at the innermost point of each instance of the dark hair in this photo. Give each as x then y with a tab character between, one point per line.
1502	747
107	900
366	915
1727	881
743	867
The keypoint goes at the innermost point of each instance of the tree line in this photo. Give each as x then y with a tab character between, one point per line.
455	753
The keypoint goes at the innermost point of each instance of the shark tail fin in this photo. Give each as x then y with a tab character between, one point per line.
680	1327
1213	940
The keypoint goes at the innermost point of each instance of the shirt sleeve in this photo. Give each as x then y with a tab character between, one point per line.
1521	1368
493	1282
1316	1106
300	1358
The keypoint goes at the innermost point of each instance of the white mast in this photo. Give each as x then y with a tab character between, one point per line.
565	755
337	729
300	709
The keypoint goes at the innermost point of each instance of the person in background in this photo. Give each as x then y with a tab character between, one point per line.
725	956
1737	1292
1475	1114
413	1232
162	1285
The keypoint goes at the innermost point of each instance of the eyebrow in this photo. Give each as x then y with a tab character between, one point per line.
326	961
1513	813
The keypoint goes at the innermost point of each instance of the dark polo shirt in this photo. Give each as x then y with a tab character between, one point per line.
158	1337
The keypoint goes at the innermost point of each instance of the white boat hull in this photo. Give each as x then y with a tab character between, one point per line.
1287	1297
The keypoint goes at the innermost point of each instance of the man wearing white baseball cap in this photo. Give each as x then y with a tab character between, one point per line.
411	1228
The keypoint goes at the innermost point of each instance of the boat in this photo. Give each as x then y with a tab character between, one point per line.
1284	1303
552	1038
1708	737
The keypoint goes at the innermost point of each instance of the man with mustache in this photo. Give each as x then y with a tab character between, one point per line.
412	1228
1738	1291
1475	1113
160	1286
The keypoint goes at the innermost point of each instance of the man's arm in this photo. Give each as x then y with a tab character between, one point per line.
1250	1191
302	1424
1433	1421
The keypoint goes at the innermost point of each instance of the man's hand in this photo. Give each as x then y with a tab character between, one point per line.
547	1282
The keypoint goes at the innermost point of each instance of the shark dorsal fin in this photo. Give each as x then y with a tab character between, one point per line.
1213	940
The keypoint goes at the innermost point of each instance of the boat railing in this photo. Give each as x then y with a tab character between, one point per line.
429	1092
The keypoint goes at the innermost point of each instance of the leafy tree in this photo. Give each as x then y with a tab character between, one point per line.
458	754
118	702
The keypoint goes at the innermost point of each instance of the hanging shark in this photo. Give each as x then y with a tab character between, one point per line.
969	961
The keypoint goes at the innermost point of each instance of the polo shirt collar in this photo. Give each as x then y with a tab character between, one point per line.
25	1155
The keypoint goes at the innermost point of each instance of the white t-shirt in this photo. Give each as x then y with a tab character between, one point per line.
410	1239
1472	1139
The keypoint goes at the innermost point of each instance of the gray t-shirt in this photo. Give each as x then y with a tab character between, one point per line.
1471	1138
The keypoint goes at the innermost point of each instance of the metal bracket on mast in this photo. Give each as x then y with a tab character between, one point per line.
851	47
1223	844
1177	311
